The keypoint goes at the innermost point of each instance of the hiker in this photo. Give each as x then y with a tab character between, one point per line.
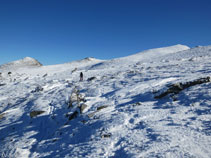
81	76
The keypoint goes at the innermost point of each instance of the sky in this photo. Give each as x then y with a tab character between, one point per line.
60	31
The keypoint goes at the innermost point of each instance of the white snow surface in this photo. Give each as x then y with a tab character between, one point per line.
131	122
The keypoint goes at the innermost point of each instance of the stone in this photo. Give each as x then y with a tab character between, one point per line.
101	107
73	115
36	113
82	108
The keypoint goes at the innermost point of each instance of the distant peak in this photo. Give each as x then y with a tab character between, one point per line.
180	46
89	58
169	49
28	58
25	62
29	61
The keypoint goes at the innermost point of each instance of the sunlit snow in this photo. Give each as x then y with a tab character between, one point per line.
121	117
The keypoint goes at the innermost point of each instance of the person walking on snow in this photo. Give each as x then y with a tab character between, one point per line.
81	76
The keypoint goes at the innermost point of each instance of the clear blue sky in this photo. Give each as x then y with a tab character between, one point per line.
59	31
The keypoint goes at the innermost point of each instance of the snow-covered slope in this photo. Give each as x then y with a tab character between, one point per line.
157	52
141	57
115	112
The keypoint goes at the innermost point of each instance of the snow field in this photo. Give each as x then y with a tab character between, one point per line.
122	117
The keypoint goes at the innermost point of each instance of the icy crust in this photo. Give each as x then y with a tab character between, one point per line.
120	116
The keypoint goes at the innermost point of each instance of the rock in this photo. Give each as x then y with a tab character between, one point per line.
73	115
70	104
176	88
101	107
91	78
45	75
91	114
2	84
55	139
2	116
137	104
98	109
35	113
74	70
84	121
108	135
82	108
37	89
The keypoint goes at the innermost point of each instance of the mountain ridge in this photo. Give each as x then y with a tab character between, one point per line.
29	61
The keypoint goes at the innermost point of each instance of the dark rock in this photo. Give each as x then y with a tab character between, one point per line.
45	75
74	70
37	89
108	135
54	140
91	78
35	113
73	115
84	121
101	107
2	84
137	104
70	104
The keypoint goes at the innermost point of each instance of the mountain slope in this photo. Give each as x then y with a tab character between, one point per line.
157	52
39	114
144	56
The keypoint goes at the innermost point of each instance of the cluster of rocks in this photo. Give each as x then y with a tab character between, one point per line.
77	102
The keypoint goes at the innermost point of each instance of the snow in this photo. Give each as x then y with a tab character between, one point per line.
122	117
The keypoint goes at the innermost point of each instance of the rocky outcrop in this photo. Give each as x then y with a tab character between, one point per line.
176	88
